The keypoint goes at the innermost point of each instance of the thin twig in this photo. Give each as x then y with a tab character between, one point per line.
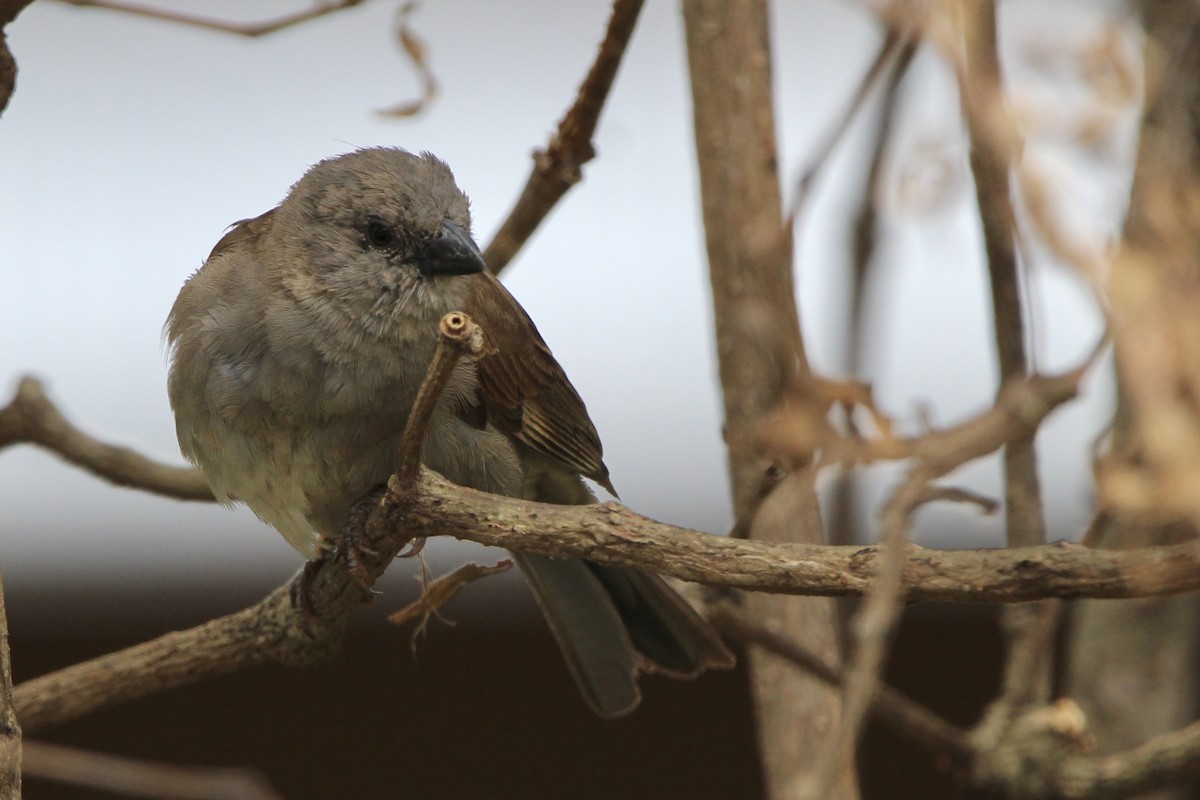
895	42
135	778
437	593
440	591
959	494
557	168
865	234
871	630
1019	410
895	709
9	9
250	29
31	418
459	336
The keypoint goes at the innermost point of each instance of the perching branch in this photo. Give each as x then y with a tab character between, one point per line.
261	633
613	534
608	533
557	168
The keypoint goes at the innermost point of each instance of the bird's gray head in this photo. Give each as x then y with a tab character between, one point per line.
380	232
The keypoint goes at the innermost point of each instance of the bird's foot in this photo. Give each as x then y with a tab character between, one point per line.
352	542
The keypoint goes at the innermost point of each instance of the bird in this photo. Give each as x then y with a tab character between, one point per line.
296	352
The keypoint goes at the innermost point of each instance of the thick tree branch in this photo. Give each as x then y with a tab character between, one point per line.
1131	666
613	534
1047	754
763	366
262	633
607	533
559	167
1165	760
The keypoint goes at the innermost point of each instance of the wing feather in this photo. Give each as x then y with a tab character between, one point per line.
525	391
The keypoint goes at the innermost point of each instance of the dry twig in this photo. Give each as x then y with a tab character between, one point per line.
130	777
249	29
995	144
557	168
32	419
459	337
906	716
438	593
412	47
893	55
9	9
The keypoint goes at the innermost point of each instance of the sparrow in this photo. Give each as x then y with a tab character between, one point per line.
296	352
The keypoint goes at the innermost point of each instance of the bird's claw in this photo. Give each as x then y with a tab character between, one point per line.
352	543
352	546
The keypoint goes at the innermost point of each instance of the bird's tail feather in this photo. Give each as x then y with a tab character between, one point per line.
611	623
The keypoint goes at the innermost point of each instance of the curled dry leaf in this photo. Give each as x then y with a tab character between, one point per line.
417	52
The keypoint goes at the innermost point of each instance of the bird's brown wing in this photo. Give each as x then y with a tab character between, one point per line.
524	391
243	230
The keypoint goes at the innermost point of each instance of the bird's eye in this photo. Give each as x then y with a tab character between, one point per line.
380	234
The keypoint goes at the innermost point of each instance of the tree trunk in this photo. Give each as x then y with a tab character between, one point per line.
1132	663
762	362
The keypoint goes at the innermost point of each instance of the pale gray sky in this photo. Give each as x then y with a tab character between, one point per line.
131	144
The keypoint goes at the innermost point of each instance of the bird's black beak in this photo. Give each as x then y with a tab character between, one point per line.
452	253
